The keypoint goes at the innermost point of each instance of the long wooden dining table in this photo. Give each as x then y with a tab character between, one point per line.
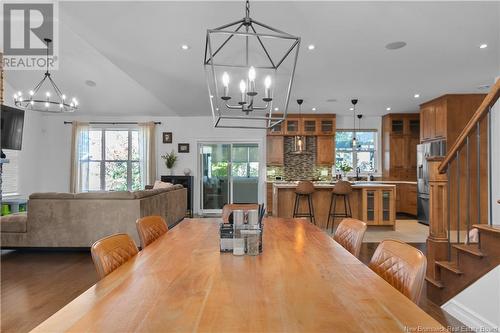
302	282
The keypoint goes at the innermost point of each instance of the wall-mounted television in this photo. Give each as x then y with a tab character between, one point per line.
11	127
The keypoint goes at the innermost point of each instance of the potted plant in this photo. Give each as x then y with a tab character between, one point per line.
344	167
170	160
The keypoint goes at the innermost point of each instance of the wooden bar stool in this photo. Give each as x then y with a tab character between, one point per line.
342	189
304	189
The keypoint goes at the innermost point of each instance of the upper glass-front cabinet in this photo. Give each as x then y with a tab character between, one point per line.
292	126
309	126
276	129
327	126
397	126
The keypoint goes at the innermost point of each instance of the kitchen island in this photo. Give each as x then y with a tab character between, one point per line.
372	202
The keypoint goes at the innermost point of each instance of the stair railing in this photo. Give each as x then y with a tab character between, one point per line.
452	162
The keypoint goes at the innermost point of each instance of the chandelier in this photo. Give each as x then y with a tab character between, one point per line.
53	100
249	68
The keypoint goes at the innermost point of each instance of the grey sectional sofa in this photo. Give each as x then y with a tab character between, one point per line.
71	220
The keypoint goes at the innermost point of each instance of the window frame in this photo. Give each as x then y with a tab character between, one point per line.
102	162
354	152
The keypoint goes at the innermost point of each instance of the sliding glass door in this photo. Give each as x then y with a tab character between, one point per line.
215	164
229	174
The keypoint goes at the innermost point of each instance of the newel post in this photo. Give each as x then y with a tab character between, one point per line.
437	241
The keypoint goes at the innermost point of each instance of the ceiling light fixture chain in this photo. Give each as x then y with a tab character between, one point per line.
58	104
255	70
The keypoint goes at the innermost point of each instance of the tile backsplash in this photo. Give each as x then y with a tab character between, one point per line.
300	166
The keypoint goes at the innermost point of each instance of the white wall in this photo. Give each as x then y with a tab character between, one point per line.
31	156
367	122
47	145
478	306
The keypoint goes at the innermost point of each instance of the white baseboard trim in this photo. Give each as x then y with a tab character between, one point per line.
467	316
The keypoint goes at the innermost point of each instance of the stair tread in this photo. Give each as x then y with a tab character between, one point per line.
469	248
488	228
449	265
435	282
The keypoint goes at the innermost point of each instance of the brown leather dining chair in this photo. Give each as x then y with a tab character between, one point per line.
150	228
349	234
402	265
111	252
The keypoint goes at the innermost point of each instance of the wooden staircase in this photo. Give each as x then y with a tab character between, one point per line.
470	262
460	200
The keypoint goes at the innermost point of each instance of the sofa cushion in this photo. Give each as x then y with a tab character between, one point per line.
51	195
14	222
106	195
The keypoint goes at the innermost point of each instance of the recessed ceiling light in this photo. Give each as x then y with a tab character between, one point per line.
395	45
388	109
311	47
483	46
314	109
185	47
351	109
90	83
276	109
331	100
416	95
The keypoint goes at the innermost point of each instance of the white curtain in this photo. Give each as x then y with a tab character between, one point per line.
79	157
147	152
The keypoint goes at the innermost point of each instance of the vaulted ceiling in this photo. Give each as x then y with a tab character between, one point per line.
132	50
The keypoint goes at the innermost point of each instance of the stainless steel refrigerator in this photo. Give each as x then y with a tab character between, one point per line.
425	150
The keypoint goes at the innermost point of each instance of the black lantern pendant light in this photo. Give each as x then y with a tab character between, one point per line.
359	128
250	68
300	140
354	101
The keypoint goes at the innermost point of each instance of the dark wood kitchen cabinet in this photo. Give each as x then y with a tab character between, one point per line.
325	150
400	137
275	150
319	126
305	124
445	117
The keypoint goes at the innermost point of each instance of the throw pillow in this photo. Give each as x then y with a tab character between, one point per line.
159	184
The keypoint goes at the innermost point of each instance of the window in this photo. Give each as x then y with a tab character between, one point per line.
362	157
245	161
111	160
10	172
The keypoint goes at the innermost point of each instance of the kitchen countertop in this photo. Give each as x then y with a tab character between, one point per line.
355	182
331	185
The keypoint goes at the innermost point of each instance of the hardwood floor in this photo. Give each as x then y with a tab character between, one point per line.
36	284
